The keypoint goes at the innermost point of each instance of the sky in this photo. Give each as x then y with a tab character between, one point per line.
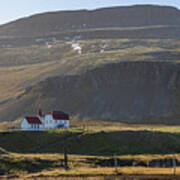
15	9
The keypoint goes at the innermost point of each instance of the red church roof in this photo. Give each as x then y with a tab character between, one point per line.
59	115
33	120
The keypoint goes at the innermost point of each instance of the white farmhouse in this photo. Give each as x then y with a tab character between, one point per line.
51	120
56	119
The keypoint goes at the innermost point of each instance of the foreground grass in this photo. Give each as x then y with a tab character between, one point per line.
49	166
38	155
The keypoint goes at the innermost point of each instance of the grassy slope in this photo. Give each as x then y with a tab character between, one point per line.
103	139
22	67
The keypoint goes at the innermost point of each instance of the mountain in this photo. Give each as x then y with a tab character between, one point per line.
145	21
115	64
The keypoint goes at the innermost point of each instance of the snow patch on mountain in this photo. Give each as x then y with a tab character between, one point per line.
77	47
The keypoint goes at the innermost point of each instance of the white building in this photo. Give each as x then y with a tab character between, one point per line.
32	124
51	120
56	119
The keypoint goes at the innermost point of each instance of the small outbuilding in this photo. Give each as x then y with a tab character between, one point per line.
31	124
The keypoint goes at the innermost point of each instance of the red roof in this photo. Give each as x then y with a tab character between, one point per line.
33	120
59	115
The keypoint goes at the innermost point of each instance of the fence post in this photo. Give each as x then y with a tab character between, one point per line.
174	165
65	159
115	162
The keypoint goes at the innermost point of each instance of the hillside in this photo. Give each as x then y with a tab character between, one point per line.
117	22
123	70
127	92
132	81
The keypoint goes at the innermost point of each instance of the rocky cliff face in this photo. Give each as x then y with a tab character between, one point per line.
131	92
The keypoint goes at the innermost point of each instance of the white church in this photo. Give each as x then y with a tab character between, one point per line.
51	120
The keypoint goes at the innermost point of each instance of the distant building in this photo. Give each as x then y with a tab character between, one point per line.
51	120
31	123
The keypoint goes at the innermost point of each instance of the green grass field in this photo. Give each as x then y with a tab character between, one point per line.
94	138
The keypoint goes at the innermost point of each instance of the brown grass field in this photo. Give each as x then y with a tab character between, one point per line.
80	170
50	165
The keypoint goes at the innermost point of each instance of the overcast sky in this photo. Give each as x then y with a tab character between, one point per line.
14	9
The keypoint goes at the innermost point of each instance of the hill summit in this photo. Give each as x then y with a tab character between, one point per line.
114	17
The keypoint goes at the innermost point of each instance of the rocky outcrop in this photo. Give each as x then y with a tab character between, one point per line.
122	91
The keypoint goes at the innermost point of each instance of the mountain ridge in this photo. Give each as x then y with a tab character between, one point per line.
59	21
91	10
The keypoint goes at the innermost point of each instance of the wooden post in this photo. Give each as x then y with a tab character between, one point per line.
115	163
174	165
65	159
